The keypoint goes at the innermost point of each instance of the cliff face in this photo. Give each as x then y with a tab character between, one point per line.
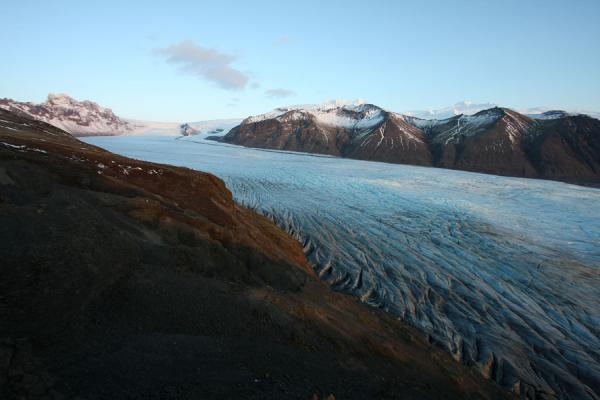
128	279
497	141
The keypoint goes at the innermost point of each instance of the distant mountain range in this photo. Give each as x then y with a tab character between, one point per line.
470	108
552	145
463	107
86	118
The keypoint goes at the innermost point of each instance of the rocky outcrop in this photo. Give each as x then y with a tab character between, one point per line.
128	279
80	118
187	130
498	141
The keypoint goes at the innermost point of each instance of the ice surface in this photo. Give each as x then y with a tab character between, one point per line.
504	273
203	128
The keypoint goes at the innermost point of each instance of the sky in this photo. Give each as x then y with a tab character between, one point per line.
195	60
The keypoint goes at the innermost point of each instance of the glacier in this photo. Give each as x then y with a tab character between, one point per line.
503	273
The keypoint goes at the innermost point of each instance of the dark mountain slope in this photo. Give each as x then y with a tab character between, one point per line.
490	141
294	131
393	140
566	148
127	279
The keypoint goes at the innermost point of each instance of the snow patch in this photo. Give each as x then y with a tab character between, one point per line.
348	116
14	146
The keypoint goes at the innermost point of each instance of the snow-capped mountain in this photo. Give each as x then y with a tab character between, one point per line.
459	127
550	113
75	117
362	131
328	114
86	118
471	108
556	145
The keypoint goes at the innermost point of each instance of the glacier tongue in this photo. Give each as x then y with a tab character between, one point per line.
504	273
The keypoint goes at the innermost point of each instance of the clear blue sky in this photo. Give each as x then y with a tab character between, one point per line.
192	60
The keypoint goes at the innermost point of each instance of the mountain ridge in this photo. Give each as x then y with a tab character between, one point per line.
470	108
498	140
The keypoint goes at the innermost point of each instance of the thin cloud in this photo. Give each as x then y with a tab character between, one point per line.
206	63
282	41
278	93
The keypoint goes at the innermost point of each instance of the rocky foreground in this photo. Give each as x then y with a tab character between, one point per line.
128	279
